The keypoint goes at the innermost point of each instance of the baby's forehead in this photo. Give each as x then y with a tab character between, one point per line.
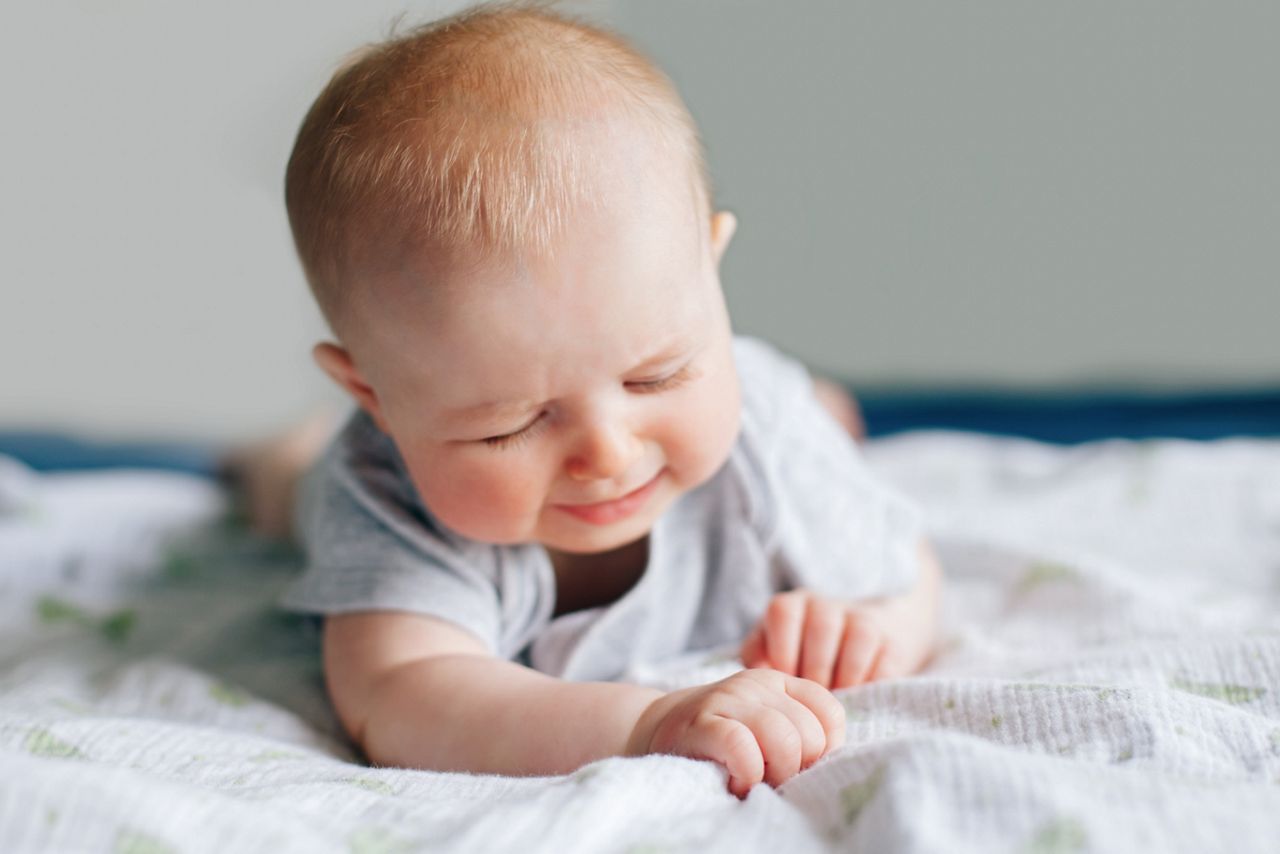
600	301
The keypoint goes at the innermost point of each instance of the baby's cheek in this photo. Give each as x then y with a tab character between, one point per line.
493	504
706	438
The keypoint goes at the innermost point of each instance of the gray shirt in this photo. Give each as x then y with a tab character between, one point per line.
793	506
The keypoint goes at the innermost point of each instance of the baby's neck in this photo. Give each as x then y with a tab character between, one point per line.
592	580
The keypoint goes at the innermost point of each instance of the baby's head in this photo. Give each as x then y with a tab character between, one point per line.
506	220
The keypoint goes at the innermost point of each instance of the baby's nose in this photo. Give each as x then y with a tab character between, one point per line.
606	450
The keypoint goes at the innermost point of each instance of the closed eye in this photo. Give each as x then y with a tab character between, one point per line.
515	437
670	381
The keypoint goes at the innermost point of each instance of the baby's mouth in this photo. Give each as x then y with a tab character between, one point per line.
605	512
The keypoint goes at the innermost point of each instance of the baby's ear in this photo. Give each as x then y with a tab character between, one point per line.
723	225
337	363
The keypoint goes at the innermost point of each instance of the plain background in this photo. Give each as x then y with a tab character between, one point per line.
990	193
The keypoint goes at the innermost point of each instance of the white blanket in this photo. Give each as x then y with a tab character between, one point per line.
1109	681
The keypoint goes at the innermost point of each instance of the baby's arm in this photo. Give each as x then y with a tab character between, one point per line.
420	692
416	691
839	643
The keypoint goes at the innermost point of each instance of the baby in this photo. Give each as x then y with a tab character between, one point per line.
564	465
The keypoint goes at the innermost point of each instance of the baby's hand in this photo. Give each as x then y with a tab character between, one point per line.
759	724
835	643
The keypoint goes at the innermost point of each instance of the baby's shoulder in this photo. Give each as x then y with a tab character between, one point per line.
361	474
773	385
365	460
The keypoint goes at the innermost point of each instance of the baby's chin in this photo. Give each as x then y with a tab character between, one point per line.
596	543
595	540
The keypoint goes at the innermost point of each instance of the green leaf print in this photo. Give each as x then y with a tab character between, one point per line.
41	742
228	695
376	840
135	842
75	707
53	610
855	796
1226	692
1045	572
114	627
179	566
1060	836
117	627
371	785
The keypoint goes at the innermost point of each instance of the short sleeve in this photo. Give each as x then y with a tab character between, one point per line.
831	524
370	545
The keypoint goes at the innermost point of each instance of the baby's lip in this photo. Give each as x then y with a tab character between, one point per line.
603	512
619	497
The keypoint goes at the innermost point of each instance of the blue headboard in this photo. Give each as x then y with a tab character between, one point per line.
1077	416
1049	416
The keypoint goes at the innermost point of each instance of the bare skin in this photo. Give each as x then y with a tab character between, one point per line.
387	673
266	472
764	724
561	387
842	643
760	724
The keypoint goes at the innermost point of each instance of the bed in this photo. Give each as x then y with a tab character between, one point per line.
1108	680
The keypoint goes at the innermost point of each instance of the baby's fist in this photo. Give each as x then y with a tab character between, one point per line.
836	644
760	724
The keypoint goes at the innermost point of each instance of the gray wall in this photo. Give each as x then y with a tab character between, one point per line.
994	191
948	193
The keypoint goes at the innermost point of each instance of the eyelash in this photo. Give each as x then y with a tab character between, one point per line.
524	434
666	383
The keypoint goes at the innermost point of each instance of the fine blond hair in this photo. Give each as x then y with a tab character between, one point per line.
461	134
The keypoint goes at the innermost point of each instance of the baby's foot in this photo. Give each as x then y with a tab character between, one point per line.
842	405
266	473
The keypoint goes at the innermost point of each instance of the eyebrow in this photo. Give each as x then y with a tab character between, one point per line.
475	411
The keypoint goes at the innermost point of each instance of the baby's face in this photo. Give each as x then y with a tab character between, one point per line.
565	400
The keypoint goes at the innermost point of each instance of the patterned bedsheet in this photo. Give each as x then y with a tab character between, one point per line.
1109	680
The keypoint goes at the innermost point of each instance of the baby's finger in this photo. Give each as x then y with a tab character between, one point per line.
858	653
888	664
752	653
813	734
731	743
783	621
821	635
780	742
825	707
